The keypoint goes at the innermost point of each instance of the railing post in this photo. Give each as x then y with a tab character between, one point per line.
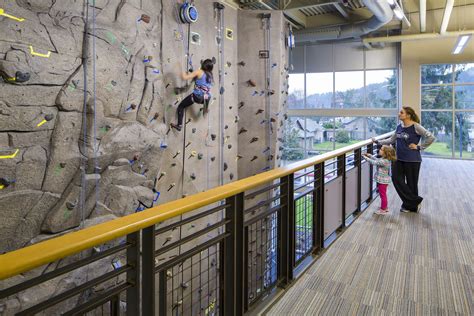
370	149
321	167
286	230
358	163
341	172
148	272
233	264
133	276
317	194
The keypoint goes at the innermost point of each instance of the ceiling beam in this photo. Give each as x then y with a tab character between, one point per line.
297	16
303	4
414	37
341	10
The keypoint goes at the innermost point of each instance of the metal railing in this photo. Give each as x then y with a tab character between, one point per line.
216	252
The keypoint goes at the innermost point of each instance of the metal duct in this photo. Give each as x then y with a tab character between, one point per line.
383	14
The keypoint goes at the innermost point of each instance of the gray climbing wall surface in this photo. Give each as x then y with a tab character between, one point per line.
260	127
84	115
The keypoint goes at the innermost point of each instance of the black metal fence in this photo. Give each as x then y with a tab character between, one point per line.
222	259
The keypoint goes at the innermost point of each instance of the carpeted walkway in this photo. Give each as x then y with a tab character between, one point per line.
399	264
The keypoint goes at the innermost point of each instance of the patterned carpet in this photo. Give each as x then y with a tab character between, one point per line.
399	264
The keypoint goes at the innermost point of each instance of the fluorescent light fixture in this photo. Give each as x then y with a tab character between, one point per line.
447	14
391	2
398	13
461	43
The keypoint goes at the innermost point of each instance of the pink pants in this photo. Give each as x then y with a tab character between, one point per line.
383	195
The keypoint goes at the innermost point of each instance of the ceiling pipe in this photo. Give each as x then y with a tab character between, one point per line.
447	14
414	37
383	14
422	16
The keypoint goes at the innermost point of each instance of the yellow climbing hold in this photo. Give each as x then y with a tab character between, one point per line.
1	186
210	308
10	156
32	52
194	153
41	123
2	13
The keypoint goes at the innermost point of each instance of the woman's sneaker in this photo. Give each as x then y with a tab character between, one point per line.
381	212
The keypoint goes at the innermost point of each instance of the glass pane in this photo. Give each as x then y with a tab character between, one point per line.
464	135
296	91
349	89
350	130
294	138
381	88
436	97
321	129
437	74
441	125
464	73
319	88
464	97
380	125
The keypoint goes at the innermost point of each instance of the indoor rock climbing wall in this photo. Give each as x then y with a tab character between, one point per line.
260	127
88	89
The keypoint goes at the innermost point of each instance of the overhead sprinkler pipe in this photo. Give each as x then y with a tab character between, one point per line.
422	16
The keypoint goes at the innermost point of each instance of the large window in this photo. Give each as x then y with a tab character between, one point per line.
447	108
339	94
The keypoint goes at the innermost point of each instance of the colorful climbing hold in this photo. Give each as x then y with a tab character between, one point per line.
254	139
251	83
145	18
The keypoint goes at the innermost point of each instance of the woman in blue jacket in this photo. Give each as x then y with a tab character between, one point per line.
406	169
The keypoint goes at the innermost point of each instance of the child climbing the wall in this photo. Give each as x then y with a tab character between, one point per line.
201	94
382	175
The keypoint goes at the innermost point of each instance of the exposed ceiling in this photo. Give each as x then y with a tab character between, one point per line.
322	13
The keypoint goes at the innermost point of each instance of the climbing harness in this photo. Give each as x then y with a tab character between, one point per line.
188	13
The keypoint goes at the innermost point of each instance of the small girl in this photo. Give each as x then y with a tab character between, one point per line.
201	93
382	175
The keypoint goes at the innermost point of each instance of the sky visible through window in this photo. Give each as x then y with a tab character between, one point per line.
351	81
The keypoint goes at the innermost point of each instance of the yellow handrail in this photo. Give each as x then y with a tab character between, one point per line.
27	258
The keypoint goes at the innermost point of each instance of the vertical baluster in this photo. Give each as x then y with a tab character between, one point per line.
148	272
233	264
133	276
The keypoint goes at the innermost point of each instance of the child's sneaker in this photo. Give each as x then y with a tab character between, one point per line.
381	212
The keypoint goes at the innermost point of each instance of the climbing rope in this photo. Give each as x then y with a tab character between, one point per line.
266	26
94	120
84	115
218	8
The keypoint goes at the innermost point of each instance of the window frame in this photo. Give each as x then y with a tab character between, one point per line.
453	110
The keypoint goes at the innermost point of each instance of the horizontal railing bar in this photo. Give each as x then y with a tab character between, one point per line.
27	258
302	175
51	275
304	193
263	190
190	219
263	203
98	301
263	214
190	253
190	237
74	291
306	184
